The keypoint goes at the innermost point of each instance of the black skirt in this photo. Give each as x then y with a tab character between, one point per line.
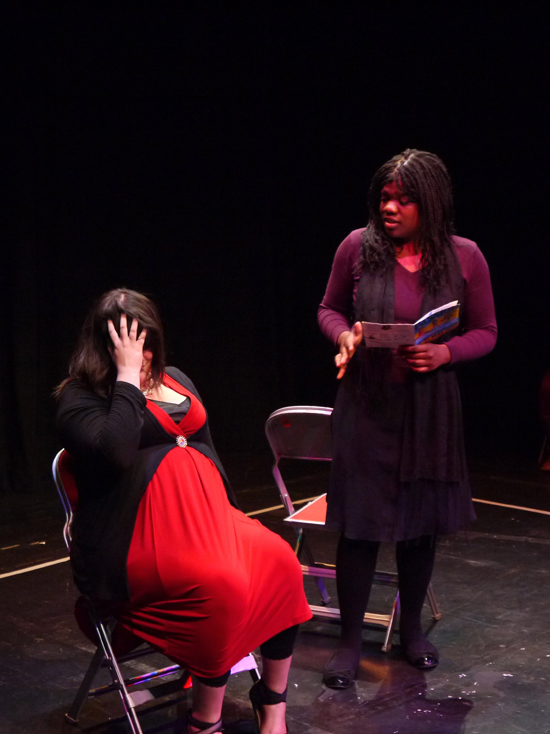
366	498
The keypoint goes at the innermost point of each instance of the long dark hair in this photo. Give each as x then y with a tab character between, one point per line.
424	179
92	362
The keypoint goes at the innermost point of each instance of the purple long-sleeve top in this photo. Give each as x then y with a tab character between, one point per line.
478	319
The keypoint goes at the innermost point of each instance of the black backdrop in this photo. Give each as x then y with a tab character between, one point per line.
215	157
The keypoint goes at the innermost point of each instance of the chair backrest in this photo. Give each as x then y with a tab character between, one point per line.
298	432
67	490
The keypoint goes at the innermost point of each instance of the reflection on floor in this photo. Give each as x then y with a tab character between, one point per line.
494	637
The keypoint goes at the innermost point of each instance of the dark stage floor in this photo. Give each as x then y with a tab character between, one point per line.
494	637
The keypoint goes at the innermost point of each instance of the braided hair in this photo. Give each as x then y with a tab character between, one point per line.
423	178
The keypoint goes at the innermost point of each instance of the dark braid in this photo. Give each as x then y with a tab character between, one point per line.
424	179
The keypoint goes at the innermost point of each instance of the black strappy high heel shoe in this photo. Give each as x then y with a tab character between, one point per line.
260	696
204	726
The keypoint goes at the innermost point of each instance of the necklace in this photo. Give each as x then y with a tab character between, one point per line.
149	389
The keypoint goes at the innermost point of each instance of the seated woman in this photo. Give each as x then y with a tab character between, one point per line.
157	534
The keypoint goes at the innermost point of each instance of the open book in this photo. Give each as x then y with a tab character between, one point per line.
427	329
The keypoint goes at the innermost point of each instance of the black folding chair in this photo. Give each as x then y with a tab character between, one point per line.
105	630
304	432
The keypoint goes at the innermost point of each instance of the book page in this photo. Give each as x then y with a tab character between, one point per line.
387	335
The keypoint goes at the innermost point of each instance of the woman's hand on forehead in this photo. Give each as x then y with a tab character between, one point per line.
127	349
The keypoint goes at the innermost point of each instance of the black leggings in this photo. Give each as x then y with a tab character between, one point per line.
356	564
278	647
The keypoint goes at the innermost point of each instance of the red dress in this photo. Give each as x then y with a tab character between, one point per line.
207	583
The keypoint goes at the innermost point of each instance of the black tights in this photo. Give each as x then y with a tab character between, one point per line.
355	567
278	647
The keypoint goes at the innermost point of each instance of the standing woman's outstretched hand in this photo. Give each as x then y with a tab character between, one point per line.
127	350
348	341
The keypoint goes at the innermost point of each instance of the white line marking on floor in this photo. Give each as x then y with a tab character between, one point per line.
512	507
485	502
33	568
261	512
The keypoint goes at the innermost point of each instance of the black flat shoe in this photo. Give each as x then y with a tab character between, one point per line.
338	678
421	654
425	662
260	696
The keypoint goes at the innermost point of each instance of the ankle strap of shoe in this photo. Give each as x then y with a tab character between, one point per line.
269	697
204	726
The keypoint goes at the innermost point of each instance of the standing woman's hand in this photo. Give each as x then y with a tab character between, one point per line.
348	341
127	350
426	357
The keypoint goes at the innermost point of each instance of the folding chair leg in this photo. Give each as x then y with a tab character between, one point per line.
303	548
436	614
118	678
81	695
254	673
386	647
104	655
325	596
298	548
132	718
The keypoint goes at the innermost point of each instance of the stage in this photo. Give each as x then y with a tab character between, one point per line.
494	636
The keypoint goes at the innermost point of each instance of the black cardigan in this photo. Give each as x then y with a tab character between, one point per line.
116	446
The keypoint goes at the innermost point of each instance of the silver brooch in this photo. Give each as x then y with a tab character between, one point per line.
181	441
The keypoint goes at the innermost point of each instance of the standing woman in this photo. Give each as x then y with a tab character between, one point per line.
399	471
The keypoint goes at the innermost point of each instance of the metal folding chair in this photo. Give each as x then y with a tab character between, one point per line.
105	630
304	432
